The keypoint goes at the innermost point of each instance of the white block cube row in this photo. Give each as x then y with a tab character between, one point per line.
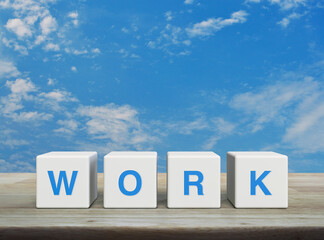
254	180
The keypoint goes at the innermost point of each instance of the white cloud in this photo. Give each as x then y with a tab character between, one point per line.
21	49
286	20
96	51
30	20
170	39
216	127
188	2
31	116
109	121
13	143
305	122
15	45
30	7
295	103
125	30
18	27
55	100
119	124
8	69
16	166
40	39
52	47
50	82
134	27
187	42
33	19
48	25
212	25
168	15
220	128
25	102
10	104
253	1
184	53
20	86
151	44
79	52
75	22
306	131
58	96
288	4
20	90
133	55
28	13
188	127
87	52
74	69
172	33
210	143
270	102
123	52
108	127
68	126
283	4
74	16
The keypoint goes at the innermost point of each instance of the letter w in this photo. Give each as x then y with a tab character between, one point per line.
62	177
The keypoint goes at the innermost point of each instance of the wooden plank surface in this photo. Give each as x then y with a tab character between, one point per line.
303	219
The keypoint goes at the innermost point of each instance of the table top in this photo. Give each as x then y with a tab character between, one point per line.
18	210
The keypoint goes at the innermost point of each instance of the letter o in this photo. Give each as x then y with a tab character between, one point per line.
138	182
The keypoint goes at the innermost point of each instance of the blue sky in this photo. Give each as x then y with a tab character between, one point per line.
162	75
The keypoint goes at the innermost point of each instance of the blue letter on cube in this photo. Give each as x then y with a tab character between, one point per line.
62	177
197	183
258	182
138	182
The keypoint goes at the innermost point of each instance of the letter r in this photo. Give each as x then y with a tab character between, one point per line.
188	183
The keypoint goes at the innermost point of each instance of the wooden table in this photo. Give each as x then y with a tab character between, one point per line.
304	219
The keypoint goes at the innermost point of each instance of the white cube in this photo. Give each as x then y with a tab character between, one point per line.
257	179
66	179
193	180
130	180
